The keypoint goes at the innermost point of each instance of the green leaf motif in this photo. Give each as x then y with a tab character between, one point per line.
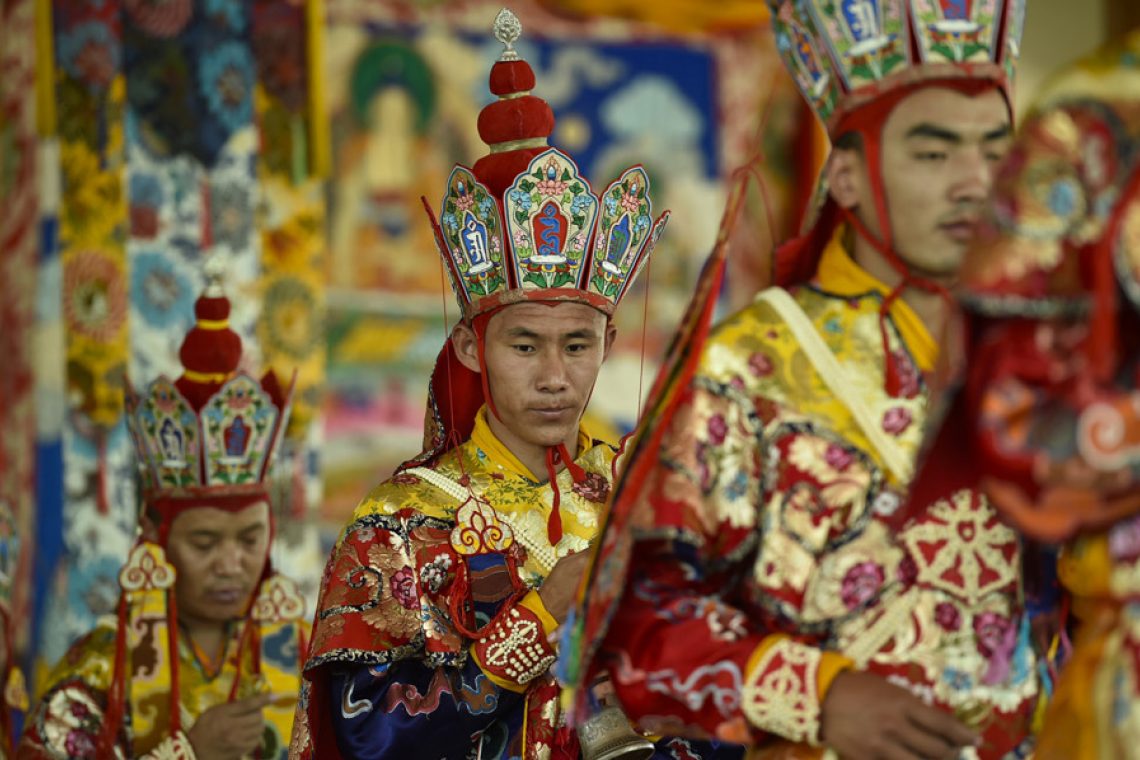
535	278
526	185
943	50
577	188
597	283
891	62
563	278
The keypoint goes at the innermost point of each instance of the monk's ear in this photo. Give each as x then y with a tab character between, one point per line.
845	173
611	336
466	346
148	526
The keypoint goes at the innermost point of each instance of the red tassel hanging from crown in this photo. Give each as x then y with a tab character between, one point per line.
554	522
556	455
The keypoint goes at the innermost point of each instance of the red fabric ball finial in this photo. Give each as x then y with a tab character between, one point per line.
510	77
210	352
515	117
522	118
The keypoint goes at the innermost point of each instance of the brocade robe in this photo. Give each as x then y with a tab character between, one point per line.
431	639
765	554
1050	406
67	720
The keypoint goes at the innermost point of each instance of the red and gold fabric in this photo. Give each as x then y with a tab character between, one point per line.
19	256
765	551
430	592
1053	290
205	439
430	638
69	717
1047	414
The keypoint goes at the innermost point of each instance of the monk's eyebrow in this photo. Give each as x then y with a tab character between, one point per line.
946	135
934	132
1000	133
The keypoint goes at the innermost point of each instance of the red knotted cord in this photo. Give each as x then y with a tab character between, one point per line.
644	327
892	371
175	658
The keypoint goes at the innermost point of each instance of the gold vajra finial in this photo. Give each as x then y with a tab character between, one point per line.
507	29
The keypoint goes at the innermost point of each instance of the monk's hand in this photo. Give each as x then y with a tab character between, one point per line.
230	731
561	586
865	716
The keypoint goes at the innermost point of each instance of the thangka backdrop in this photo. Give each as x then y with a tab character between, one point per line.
181	130
19	234
406	83
170	131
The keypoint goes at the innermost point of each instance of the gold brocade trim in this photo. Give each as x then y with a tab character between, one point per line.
509	145
147	569
868	642
440	481
780	695
480	530
496	451
838	273
538	550
971	562
214	324
501	456
279	600
204	377
175	747
835	377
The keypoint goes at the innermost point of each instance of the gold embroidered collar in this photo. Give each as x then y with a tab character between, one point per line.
498	453
839	274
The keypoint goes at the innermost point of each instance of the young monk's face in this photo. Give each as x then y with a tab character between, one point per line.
219	557
939	150
542	362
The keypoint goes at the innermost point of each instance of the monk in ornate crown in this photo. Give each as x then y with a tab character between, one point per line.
203	660
757	579
1047	418
433	636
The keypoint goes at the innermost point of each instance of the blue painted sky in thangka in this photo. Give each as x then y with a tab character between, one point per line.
660	97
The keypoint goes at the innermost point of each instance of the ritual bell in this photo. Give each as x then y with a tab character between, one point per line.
608	735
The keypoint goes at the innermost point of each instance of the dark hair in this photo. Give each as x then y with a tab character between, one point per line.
848	141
